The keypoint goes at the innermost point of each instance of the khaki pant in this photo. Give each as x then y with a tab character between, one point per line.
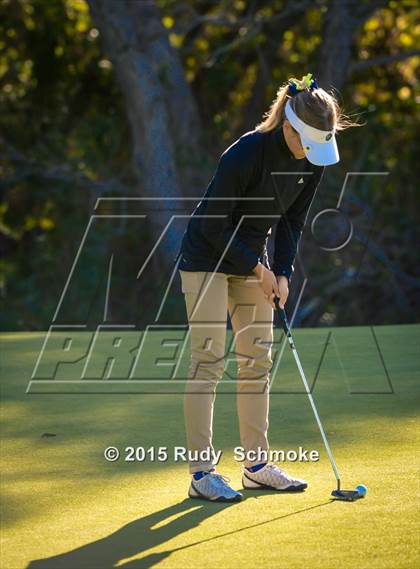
208	297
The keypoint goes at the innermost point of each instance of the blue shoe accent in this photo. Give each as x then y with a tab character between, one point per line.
256	467
199	475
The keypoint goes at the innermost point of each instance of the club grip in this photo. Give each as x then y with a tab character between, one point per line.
282	314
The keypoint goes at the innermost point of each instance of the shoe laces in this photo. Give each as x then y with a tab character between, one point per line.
221	480
274	468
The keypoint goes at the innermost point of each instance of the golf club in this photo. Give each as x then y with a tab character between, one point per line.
346	495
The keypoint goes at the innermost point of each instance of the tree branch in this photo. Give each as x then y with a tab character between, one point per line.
28	167
383	60
252	25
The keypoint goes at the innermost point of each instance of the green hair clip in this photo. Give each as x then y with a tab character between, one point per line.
307	82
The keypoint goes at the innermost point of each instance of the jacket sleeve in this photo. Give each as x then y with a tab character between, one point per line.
236	169
290	226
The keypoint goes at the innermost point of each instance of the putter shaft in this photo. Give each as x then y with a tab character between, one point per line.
289	337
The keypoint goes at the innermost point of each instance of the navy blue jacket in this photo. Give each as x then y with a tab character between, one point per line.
258	184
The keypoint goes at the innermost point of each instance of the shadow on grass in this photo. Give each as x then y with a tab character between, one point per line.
139	536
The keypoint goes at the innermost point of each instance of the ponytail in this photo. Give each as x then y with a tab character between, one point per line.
314	106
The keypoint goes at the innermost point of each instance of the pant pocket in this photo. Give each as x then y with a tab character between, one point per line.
252	281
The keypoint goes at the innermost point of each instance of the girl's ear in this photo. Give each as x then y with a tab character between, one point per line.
288	127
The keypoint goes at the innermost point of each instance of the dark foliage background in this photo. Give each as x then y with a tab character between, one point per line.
121	99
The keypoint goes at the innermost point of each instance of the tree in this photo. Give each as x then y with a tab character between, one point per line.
164	122
140	104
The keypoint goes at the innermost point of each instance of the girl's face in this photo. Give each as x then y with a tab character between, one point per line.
293	140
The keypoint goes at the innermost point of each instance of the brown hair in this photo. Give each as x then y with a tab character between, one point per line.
317	108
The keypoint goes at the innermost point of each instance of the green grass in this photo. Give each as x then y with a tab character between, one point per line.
63	505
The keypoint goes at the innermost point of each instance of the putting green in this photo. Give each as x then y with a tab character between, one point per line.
63	505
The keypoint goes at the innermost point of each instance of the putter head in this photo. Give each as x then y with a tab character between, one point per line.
346	495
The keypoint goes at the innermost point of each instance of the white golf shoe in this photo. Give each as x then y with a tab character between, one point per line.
271	477
214	487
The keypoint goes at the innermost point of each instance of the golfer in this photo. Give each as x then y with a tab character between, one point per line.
224	267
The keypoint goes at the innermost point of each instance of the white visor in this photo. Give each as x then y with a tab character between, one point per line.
320	146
